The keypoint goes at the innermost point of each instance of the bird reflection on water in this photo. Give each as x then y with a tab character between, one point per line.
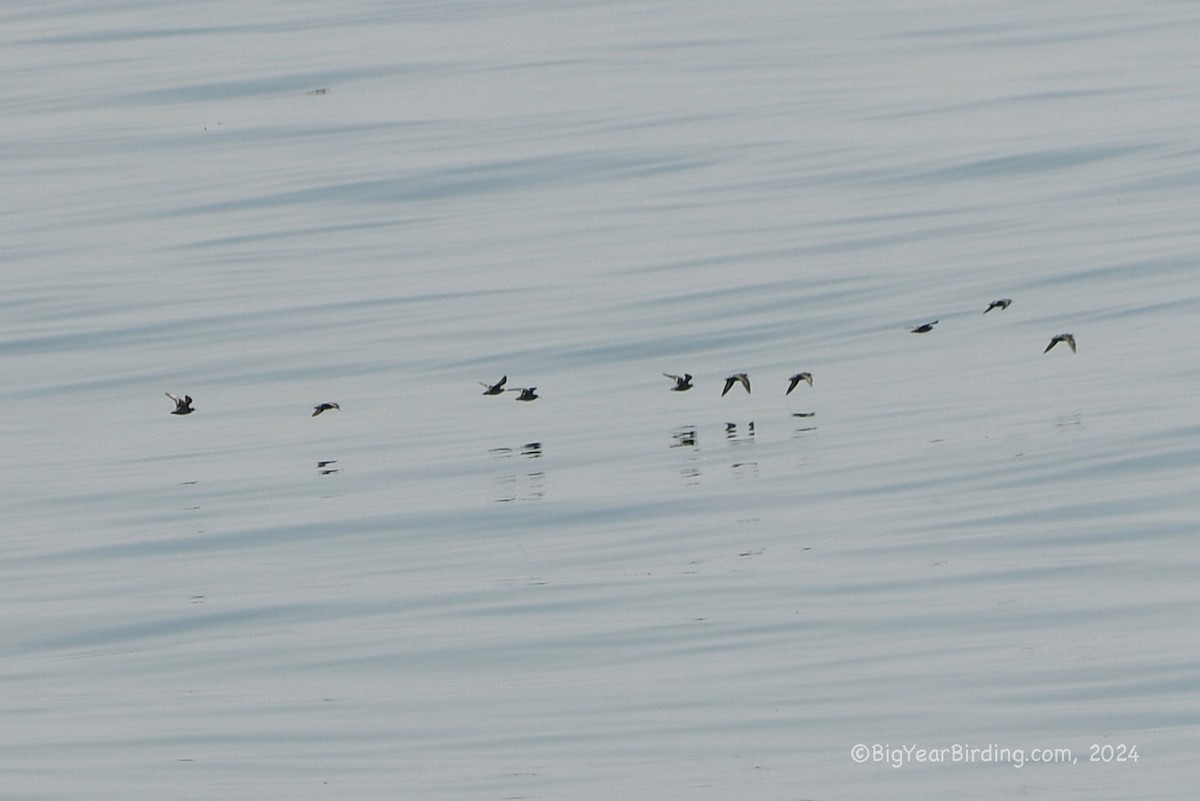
517	486
802	431
684	437
741	469
731	433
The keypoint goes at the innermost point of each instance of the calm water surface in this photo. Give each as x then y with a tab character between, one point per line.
950	541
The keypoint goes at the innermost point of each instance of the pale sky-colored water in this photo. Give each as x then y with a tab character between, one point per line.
615	590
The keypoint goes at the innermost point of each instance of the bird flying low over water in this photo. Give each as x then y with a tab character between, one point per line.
324	407
527	393
796	379
1068	338
494	389
182	405
1001	304
734	379
682	382
924	329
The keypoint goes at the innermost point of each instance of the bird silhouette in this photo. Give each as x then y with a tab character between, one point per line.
682	382
734	379
1068	338
796	379
494	389
182	405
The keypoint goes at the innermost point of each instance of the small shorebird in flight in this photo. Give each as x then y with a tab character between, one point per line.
527	393
1068	338
494	389
682	382
796	379
182	405
324	407
924	329
1001	304
734	379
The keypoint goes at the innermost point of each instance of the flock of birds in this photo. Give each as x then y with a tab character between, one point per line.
527	393
682	382
1002	303
184	405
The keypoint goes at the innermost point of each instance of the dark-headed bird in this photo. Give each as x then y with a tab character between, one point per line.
1001	304
1068	338
795	380
324	407
527	393
182	405
682	382
734	379
924	329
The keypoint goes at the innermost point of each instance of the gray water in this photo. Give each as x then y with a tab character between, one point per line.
615	591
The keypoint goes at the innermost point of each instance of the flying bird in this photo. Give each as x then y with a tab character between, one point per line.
494	389
1068	338
527	393
735	378
924	329
682	382
1001	304
796	379
182	405
324	407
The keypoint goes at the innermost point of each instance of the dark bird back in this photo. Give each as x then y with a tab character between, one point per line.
182	405
324	407
494	389
682	382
